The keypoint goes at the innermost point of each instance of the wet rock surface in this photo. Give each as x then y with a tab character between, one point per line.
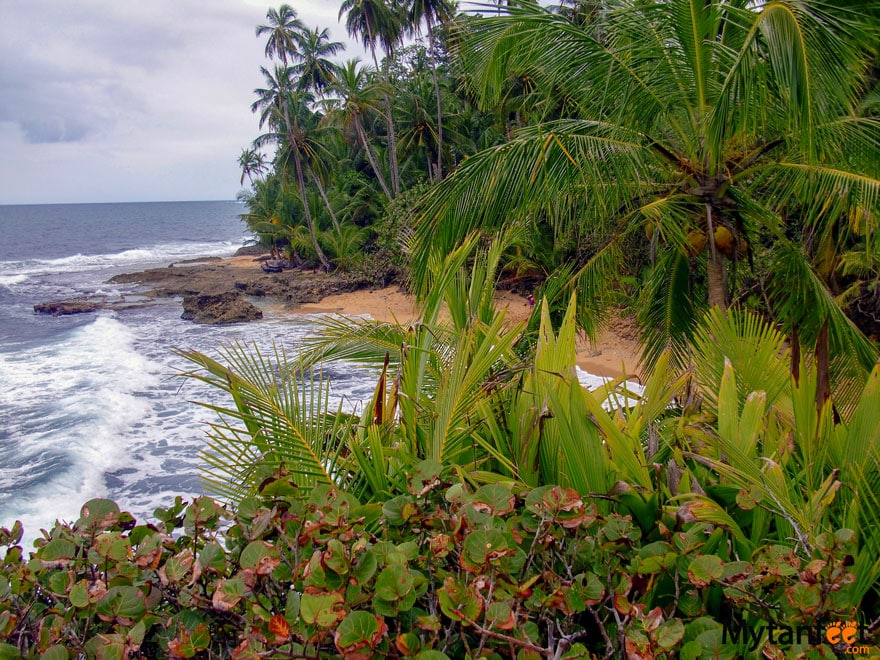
216	290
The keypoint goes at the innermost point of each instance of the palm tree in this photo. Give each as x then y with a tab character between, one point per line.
432	12
702	125
281	108
377	22
283	28
252	163
314	70
357	97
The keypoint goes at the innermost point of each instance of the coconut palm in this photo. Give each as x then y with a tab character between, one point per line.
283	29
284	110
358	96
707	126
252	163
378	22
314	71
433	13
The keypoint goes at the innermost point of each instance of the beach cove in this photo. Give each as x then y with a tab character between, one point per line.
309	293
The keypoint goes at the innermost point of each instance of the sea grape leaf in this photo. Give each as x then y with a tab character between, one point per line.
323	609
359	630
459	602
261	557
79	594
394	582
212	558
57	553
494	499
122	604
228	594
398	510
705	569
99	513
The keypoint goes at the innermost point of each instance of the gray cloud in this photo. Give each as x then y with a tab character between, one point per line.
104	100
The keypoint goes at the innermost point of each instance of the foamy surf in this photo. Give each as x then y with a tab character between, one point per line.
75	403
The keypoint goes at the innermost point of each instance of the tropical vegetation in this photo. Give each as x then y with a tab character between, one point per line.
709	168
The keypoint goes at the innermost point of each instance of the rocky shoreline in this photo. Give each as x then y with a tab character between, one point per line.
215	290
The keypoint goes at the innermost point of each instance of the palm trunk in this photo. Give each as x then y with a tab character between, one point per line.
437	95
300	180
371	158
715	268
323	193
823	378
301	183
389	120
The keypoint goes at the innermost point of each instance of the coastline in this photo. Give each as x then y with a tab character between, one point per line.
292	292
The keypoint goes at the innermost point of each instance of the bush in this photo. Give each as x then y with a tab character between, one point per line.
438	572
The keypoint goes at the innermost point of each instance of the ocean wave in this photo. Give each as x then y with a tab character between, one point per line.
16	272
69	406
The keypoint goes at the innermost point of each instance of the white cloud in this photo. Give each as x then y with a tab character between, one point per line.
102	100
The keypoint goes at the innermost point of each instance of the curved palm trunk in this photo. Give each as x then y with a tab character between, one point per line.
389	119
300	180
323	193
301	183
371	158
437	95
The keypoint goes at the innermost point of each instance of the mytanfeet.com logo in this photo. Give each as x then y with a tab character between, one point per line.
847	637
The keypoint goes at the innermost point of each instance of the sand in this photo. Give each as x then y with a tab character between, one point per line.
615	354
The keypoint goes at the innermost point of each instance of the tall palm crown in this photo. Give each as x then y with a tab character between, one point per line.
705	124
375	22
315	71
282	28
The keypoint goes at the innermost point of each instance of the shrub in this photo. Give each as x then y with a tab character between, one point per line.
441	571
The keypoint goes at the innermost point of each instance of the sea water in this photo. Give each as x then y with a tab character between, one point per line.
94	405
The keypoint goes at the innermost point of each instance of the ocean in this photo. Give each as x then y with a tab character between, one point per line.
93	405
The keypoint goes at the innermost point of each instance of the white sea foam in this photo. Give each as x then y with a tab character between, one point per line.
9	281
75	401
18	271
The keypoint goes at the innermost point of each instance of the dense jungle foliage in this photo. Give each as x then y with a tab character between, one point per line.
711	169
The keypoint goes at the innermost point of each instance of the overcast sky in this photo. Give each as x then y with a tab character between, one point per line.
125	100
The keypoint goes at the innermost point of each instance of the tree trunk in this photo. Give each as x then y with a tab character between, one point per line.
823	376
437	95
301	183
371	158
323	194
795	342
389	119
715	268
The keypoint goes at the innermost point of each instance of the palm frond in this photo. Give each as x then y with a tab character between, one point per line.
280	418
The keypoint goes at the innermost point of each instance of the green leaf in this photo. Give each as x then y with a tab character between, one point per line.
58	552
494	499
79	594
122	604
98	513
359	630
55	652
394	583
705	569
261	557
323	609
213	558
398	510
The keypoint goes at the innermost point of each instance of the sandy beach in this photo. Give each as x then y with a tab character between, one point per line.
615	354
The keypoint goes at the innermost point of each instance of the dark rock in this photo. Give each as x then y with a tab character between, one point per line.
219	308
65	307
